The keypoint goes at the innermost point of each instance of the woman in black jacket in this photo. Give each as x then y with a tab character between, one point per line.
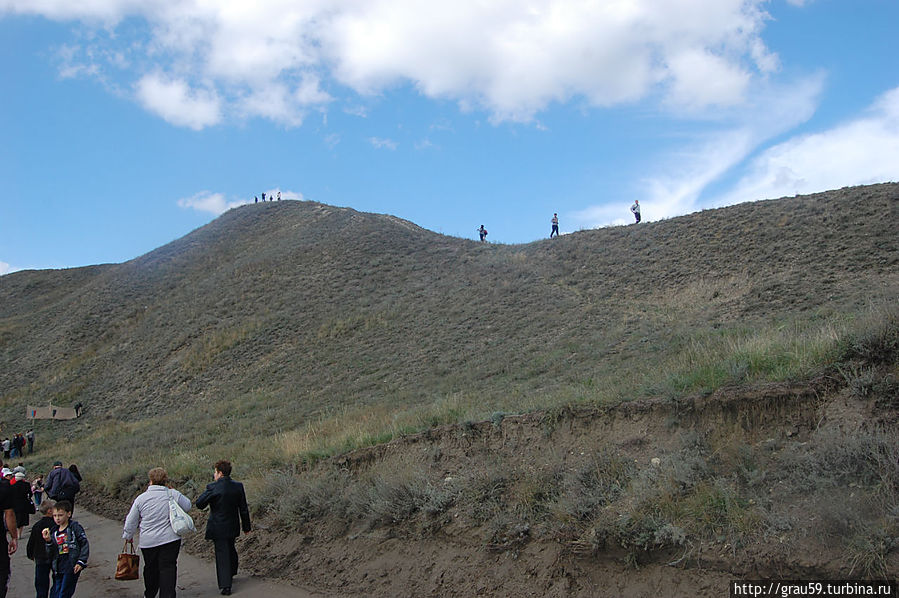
22	503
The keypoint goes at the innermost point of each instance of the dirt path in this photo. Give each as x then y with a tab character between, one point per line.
196	577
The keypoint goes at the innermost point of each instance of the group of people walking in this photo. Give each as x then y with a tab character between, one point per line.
635	210
270	197
60	548
160	545
57	545
15	447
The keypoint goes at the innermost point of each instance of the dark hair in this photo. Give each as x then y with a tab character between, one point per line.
64	505
74	469
224	467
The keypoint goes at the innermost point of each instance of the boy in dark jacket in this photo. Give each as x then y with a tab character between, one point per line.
35	550
67	549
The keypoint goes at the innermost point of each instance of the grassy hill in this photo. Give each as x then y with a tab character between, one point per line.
284	332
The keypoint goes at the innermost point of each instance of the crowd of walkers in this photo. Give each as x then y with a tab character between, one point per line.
15	447
59	545
270	197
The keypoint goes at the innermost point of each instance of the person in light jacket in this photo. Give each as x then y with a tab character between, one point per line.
228	513
158	542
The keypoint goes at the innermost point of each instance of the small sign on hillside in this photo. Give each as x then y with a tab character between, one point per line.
51	412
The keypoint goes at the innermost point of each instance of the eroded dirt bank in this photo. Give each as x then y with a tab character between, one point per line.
775	476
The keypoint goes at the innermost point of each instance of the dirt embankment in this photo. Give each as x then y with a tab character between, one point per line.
762	454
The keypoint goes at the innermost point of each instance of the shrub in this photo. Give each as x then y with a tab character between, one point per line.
868	552
595	484
876	339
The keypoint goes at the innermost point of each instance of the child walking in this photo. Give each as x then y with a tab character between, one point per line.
67	549
37	553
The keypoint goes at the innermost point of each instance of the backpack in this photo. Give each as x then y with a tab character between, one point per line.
68	486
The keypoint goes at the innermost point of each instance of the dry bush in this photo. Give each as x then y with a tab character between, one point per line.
595	484
867	457
876	337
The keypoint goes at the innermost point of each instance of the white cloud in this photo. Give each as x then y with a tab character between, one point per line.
177	103
332	140
381	143
5	268
862	151
701	78
508	57
676	184
206	201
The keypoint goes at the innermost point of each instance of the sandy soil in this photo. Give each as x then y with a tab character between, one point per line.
196	577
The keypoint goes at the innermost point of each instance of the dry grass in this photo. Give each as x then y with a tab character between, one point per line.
280	335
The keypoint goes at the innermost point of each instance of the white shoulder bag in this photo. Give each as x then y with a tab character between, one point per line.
182	523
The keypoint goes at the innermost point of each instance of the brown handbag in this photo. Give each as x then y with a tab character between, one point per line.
128	563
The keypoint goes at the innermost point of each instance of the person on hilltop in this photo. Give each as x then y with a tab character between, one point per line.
67	548
61	484
555	223
228	513
263	196
279	196
256	198
7	546
158	541
636	209
482	232
35	550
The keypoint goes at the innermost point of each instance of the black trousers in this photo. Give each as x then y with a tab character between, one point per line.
4	565
161	569
225	561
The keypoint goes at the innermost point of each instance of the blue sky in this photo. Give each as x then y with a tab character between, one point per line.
126	124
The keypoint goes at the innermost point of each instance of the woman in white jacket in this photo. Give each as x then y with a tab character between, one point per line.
158	541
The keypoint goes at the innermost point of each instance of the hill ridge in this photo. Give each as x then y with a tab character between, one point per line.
271	279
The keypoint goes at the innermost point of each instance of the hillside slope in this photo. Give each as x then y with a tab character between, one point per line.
641	410
324	306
